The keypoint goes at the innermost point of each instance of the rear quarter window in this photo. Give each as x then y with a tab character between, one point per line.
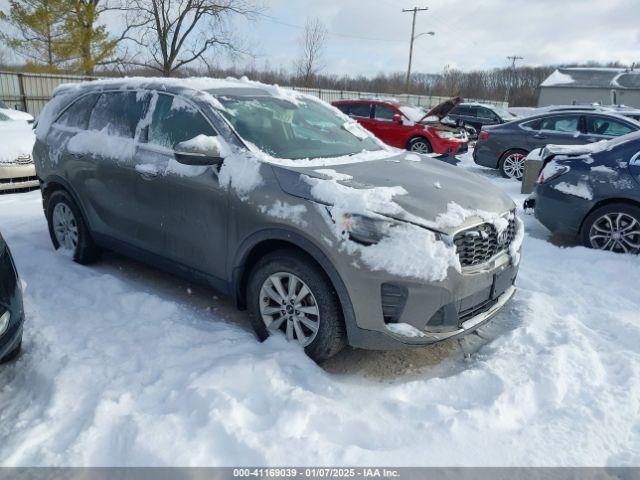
78	113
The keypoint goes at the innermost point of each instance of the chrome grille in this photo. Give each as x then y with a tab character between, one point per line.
479	244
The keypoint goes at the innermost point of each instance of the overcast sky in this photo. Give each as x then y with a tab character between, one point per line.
469	34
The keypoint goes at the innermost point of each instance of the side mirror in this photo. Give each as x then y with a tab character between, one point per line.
200	153
397	119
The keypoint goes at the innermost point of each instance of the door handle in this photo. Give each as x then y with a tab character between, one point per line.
540	136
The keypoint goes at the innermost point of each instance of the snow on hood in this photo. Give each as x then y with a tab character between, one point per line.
16	114
418	192
16	140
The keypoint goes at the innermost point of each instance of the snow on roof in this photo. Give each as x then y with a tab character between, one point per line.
557	78
594	78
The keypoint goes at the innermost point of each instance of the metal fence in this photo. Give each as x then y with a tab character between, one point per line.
31	91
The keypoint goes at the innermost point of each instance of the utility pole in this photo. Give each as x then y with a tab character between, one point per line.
415	11
514	59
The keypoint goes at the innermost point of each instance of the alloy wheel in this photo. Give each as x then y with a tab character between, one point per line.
65	227
420	147
287	304
513	165
616	232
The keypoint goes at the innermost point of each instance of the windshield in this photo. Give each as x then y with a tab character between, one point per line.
282	129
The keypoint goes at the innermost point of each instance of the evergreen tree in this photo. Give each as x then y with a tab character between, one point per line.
37	32
86	42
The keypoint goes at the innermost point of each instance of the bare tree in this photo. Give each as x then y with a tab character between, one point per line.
175	33
313	44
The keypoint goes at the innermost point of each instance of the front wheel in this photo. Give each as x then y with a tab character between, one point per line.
512	164
288	294
419	145
68	230
615	228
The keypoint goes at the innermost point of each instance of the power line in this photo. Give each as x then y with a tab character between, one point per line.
514	59
272	19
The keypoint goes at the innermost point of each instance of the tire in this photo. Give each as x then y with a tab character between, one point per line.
72	234
329	337
13	354
512	164
622	218
419	145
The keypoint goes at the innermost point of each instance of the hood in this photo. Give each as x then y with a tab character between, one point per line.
443	109
431	186
16	114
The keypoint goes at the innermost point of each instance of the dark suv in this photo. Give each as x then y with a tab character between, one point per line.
478	115
320	230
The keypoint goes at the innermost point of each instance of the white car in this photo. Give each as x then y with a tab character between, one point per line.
14	114
17	171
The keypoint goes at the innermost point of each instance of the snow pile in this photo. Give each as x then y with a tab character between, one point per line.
405	330
457	215
581	190
557	78
603	169
283	210
16	140
328	172
241	172
206	145
412	157
364	156
429	258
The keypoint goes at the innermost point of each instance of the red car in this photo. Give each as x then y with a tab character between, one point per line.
408	127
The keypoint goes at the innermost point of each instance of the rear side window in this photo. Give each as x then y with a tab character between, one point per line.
360	110
566	124
607	126
77	115
174	121
385	113
117	113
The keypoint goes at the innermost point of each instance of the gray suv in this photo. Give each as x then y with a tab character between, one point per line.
313	225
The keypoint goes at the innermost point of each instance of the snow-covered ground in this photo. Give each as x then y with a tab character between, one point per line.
126	365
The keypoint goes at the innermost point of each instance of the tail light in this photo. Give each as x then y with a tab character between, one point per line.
483	136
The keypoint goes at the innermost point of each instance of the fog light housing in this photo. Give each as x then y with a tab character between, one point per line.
4	322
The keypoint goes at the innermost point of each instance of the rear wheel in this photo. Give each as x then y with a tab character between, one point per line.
288	294
512	164
615	228
419	145
68	229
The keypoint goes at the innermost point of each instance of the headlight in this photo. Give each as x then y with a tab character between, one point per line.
445	134
365	230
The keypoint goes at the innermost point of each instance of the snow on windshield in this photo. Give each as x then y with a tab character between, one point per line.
415	114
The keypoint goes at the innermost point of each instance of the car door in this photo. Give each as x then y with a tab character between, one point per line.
556	129
101	164
599	127
184	208
386	129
